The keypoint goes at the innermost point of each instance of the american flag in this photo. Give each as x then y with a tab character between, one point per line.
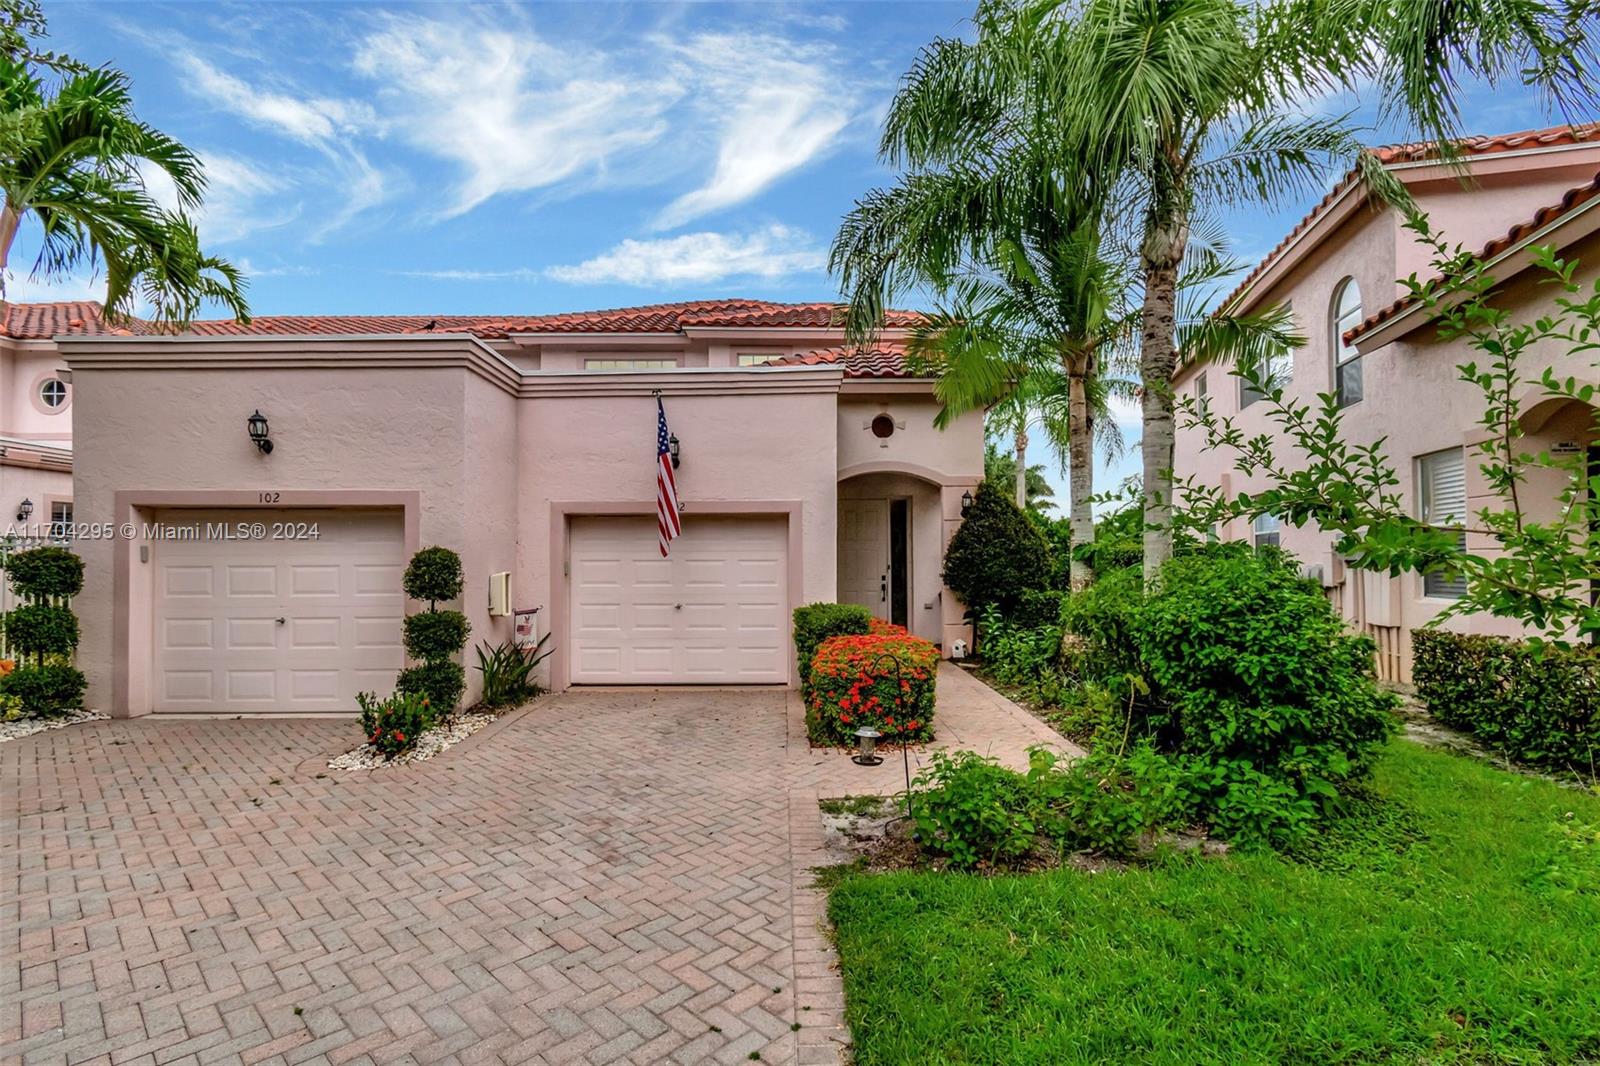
668	523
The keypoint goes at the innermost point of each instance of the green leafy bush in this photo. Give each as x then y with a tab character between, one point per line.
996	555
42	572
1104	614
40	629
1538	704
393	725
507	671
46	689
974	811
441	680
1016	654
883	682
433	574
1039	607
1262	688
435	634
1109	801
815	623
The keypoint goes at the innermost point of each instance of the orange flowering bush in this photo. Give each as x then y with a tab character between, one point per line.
884	680
879	628
394	725
6	666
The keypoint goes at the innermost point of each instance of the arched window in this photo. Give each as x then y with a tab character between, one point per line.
1347	315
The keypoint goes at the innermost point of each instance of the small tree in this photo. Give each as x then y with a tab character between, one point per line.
996	555
435	636
44	631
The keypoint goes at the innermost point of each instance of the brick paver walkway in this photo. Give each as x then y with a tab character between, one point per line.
604	876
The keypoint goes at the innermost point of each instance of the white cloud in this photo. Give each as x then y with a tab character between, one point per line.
314	121
512	110
772	252
774	106
519	274
240	199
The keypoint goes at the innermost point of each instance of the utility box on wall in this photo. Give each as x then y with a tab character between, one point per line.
500	594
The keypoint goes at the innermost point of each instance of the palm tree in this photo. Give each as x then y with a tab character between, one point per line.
71	159
1000	468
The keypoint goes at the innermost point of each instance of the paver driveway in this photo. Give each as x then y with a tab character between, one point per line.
601	877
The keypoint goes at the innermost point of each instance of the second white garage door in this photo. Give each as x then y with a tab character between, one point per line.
251	626
715	612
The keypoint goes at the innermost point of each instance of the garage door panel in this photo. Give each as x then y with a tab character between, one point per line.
220	647
714	611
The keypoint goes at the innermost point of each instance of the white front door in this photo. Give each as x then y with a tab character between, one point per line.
864	554
250	625
716	611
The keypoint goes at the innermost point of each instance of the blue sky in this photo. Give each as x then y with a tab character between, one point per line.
435	158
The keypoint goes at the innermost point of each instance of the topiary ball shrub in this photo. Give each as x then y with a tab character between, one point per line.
884	682
40	629
1270	699
997	555
435	634
40	691
433	574
41	572
442	681
816	622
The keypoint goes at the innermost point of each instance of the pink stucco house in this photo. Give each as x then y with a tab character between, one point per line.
1394	377
526	443
36	413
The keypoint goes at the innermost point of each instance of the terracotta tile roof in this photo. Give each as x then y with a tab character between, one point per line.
1417	151
45	320
858	362
1574	198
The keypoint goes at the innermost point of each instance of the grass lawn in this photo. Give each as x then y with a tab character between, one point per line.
1439	926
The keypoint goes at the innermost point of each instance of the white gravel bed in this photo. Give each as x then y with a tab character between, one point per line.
26	727
428	745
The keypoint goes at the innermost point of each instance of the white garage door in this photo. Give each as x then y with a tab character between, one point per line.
714	612
247	626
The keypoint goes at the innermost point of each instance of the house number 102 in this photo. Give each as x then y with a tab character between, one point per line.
271	497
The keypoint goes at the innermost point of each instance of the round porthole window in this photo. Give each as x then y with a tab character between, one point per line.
52	392
883	426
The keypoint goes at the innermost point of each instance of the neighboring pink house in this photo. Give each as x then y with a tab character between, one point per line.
36	413
527	444
1394	377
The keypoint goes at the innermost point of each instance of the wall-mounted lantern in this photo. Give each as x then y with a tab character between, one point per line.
257	426
966	501
672	449
24	510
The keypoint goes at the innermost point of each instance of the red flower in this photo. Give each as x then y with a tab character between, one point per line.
399	736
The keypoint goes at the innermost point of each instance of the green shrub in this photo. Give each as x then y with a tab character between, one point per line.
1109	801
815	623
394	725
883	682
1538	704
1038	608
996	555
433	635
11	708
433	574
973	811
39	629
1105	615
41	572
442	681
1262	688
1015	654
507	671
45	690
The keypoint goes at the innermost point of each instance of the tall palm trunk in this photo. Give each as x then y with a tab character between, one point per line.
1080	463
10	219
1162	255
1022	461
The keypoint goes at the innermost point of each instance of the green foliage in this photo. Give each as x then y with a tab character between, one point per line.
1104	614
433	574
996	555
45	572
1118	539
432	635
884	681
1263	689
40	629
1425	937
1537	703
393	725
441	680
10	706
973	811
1110	801
1039	607
45	689
1029	658
815	623
507	671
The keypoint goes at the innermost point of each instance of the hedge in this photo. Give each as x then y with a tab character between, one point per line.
886	682
815	623
1538	705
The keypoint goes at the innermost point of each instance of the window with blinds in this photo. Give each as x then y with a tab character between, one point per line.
1442	496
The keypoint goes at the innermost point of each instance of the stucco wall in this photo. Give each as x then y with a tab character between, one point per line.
22	414
41	486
